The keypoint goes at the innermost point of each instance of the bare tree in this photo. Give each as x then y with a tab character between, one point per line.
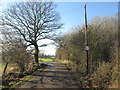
34	21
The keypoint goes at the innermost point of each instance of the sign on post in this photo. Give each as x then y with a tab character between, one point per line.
87	48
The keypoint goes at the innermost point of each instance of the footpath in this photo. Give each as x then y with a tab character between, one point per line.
56	76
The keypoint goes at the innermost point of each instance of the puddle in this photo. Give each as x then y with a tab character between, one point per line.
47	64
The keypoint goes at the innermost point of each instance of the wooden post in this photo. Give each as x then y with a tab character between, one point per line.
5	68
86	40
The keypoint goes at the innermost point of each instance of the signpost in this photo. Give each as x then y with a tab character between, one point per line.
86	40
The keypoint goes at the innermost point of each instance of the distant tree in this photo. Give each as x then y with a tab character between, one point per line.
33	21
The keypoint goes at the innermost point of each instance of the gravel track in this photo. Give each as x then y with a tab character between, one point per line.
57	76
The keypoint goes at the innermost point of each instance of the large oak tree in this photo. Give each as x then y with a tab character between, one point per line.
34	21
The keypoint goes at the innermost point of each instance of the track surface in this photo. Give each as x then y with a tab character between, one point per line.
57	76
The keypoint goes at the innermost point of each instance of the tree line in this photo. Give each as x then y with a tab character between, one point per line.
103	42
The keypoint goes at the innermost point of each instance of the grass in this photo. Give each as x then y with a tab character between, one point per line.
45	60
2	65
61	61
53	57
22	81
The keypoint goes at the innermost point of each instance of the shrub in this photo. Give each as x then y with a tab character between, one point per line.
103	53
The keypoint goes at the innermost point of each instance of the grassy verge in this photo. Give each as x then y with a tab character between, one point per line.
2	66
45	60
16	82
24	79
61	61
21	81
64	61
53	57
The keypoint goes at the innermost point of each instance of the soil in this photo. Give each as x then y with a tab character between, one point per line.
57	76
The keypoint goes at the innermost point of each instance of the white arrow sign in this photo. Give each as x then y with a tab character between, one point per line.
87	48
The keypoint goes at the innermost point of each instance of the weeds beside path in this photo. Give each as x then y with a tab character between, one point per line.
57	76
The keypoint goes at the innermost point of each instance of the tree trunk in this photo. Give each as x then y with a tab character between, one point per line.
68	55
77	68
36	54
22	68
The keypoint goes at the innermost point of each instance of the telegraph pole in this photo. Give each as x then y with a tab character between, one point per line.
86	40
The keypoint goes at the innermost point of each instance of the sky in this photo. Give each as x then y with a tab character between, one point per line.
72	15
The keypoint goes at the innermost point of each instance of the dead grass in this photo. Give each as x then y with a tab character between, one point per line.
106	76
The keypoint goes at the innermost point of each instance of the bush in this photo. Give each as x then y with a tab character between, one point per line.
103	53
17	54
102	76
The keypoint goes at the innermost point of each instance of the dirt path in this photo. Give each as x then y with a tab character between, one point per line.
57	76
